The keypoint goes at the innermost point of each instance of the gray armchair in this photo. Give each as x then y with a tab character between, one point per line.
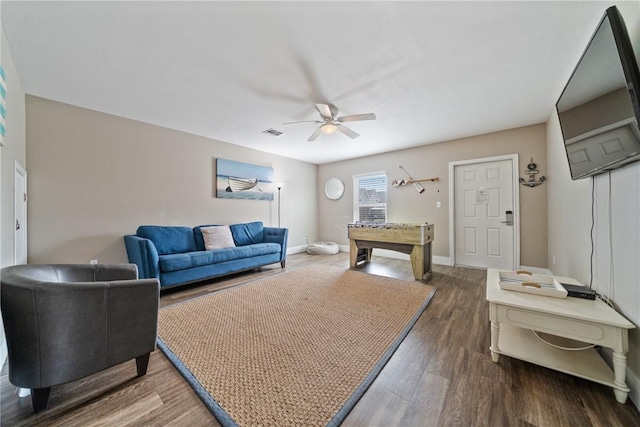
65	322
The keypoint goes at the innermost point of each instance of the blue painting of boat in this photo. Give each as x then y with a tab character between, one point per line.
238	180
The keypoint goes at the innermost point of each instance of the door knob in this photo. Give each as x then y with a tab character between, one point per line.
17	225
509	216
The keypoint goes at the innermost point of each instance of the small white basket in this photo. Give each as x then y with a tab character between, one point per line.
536	284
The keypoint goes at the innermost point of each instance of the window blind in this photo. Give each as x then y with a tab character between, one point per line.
371	204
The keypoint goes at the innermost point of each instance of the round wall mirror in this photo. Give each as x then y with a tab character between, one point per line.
334	188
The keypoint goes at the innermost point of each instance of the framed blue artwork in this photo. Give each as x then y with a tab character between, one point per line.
237	180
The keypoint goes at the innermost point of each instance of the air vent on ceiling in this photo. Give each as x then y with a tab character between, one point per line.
272	132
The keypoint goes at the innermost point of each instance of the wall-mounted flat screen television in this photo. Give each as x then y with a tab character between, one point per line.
599	108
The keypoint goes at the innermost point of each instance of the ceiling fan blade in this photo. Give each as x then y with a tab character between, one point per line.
351	134
357	117
324	110
303	121
315	134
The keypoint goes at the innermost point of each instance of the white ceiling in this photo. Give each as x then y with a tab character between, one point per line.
431	71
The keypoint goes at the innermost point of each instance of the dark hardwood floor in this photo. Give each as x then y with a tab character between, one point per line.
441	375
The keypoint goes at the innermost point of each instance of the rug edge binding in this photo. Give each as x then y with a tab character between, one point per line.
221	415
361	390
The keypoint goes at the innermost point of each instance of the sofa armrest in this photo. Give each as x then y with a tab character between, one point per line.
277	235
143	253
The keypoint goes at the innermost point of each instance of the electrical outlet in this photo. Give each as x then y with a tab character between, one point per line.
93	261
438	204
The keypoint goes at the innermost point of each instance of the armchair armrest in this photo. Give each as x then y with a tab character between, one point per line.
143	253
132	318
111	272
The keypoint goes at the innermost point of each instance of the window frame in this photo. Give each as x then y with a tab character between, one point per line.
356	194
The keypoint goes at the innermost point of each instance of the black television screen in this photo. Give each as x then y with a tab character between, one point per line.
599	109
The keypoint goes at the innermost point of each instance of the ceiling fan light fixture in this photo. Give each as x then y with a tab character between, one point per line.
329	128
330	121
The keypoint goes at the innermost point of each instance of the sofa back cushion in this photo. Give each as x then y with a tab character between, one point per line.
169	239
247	233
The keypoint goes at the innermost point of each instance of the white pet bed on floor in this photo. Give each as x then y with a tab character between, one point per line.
323	248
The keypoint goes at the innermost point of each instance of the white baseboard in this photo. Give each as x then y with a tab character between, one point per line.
633	382
296	249
442	260
399	255
391	254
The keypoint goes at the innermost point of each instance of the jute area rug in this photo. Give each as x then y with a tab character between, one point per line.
298	349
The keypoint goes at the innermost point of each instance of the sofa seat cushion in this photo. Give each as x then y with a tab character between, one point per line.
250	251
175	262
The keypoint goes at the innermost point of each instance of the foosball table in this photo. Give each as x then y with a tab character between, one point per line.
412	239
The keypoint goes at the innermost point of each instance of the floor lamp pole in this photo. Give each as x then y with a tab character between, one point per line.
279	188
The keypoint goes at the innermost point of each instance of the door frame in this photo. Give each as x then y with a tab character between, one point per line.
19	170
516	203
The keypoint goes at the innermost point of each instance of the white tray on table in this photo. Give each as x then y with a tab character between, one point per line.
536	284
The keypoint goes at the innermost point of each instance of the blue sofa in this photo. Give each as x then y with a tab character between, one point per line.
177	255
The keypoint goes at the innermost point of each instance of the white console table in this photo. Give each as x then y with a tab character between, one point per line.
514	315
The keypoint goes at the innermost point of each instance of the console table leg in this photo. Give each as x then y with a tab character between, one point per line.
620	371
495	333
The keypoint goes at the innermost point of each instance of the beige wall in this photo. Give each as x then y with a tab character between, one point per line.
615	266
406	205
13	150
95	177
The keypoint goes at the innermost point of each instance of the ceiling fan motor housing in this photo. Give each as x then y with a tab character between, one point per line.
334	112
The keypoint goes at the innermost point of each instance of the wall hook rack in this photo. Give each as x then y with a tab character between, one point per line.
401	182
532	171
415	182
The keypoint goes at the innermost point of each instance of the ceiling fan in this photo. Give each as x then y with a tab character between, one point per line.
331	122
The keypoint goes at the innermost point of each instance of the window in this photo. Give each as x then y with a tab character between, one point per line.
370	197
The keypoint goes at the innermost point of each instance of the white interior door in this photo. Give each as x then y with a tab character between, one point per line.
485	214
20	215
